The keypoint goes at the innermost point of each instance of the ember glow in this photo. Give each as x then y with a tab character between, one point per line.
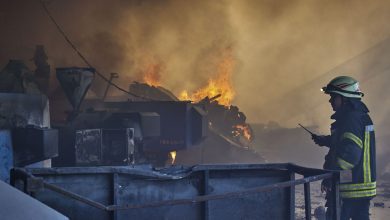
173	156
221	84
243	130
152	76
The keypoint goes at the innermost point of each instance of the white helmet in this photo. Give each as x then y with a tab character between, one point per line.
345	86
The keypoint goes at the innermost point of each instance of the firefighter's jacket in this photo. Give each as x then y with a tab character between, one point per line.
352	150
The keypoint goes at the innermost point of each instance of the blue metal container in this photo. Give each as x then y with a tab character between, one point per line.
6	155
231	191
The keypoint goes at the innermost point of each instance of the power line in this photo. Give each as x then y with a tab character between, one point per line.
82	56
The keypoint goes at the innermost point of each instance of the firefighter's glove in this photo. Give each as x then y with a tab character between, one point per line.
319	139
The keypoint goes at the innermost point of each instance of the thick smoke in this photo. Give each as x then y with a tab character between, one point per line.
288	46
280	46
124	36
285	50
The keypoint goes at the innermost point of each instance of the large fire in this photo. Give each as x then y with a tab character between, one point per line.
220	88
151	75
221	84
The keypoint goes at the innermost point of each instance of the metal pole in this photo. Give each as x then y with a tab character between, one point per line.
205	204
75	196
336	195
307	201
292	197
115	191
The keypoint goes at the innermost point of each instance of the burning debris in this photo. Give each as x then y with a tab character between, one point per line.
228	129
215	98
220	86
228	121
227	125
243	130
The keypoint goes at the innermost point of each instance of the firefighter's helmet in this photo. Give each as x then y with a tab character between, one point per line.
345	86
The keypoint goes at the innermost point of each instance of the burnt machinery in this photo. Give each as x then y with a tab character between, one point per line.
122	132
25	134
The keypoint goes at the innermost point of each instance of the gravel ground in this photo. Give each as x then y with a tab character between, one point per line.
379	209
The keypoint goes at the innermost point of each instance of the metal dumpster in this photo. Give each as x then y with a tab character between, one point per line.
239	191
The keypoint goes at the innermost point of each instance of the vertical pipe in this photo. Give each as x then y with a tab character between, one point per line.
188	127
307	201
292	197
205	204
114	214
25	186
12	178
336	195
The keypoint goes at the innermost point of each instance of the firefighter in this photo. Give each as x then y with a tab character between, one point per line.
351	149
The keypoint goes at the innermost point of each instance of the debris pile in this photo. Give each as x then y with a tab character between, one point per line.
229	139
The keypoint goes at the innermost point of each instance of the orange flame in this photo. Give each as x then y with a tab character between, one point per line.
152	76
173	156
184	95
244	130
221	84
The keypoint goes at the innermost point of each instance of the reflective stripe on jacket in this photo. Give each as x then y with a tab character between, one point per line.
352	147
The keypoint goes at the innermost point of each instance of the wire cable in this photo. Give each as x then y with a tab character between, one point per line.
83	57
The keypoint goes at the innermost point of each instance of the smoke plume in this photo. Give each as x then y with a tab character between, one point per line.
285	50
